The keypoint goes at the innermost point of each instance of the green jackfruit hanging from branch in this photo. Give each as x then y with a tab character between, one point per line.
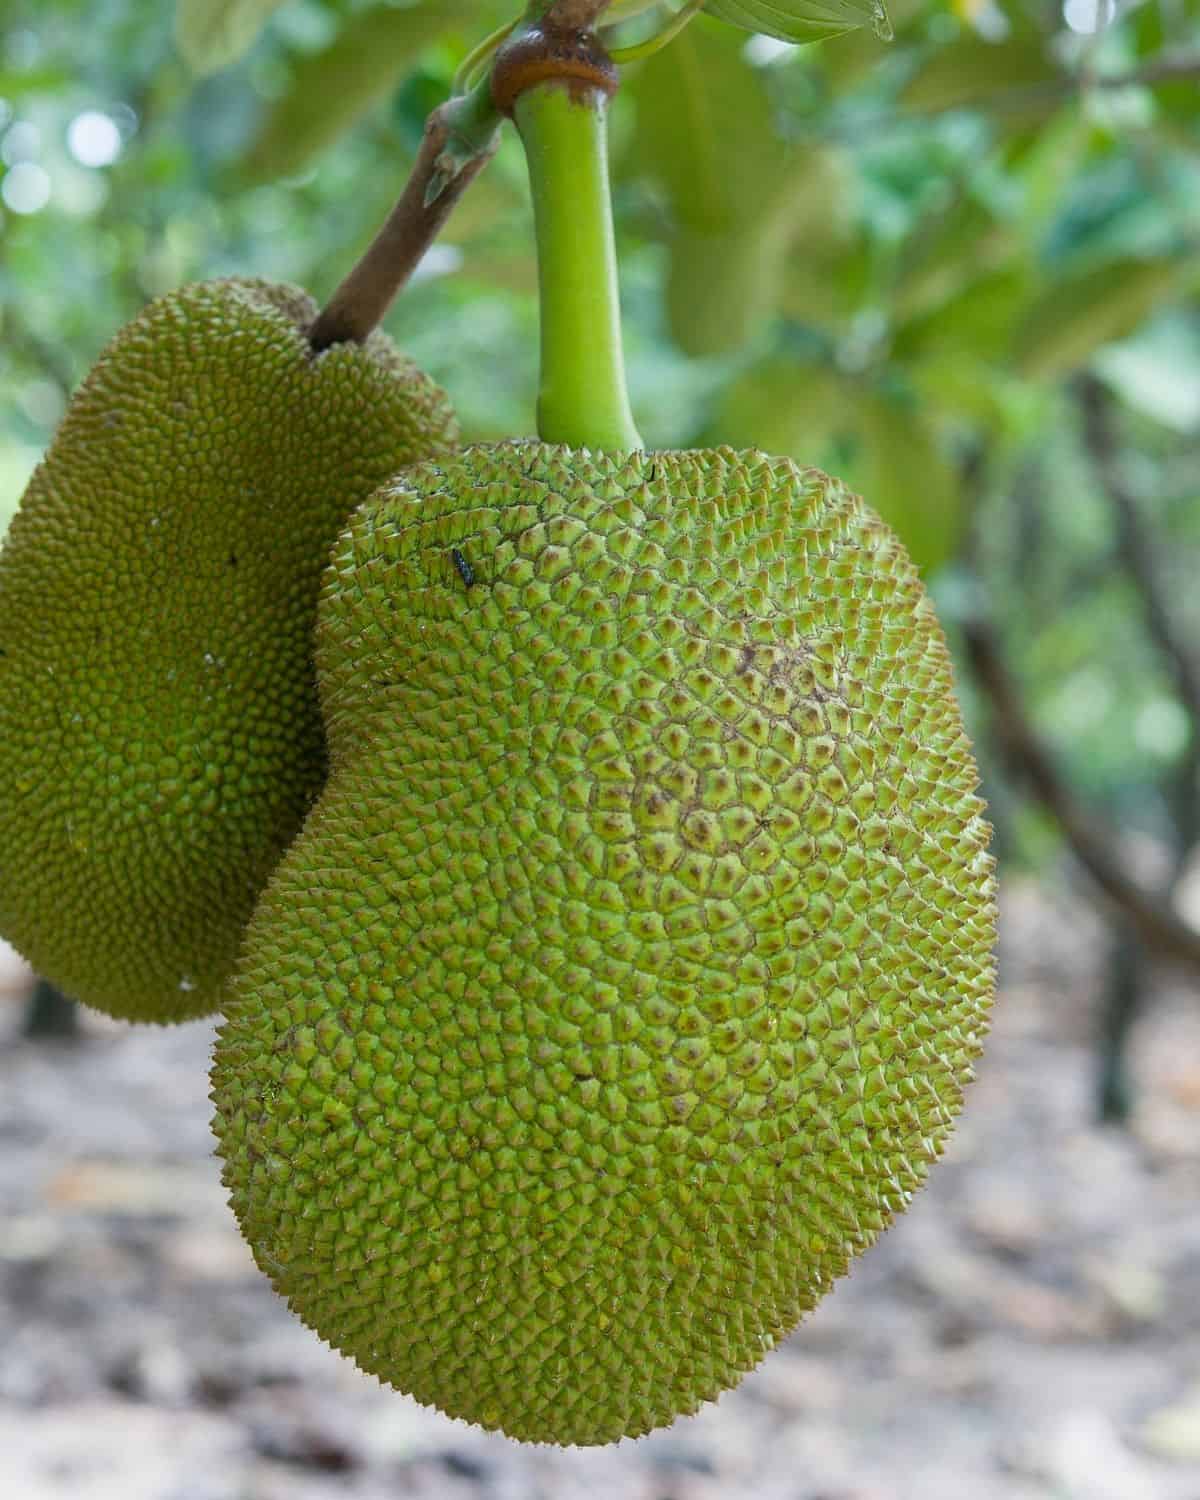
624	980
160	742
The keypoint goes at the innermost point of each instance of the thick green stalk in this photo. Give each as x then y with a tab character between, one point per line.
583	400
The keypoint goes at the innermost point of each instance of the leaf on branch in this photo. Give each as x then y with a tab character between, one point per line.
211	34
706	131
738	196
972	72
1071	319
803	20
370	57
906	478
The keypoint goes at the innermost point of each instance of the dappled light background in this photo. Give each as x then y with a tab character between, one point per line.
959	268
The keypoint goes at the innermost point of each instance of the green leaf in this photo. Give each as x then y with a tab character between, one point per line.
947	252
784	407
214	33
1017	75
803	20
706	131
332	89
905	478
977	320
827	288
1157	371
960	389
1072	318
722	288
738	195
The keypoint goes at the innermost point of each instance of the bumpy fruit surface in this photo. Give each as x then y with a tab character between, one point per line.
624	981
160	739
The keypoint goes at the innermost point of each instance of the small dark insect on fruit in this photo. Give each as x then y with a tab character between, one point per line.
465	571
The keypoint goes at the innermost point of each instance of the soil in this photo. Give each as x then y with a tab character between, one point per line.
1030	1330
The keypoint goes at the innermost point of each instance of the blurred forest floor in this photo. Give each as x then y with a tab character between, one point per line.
1030	1329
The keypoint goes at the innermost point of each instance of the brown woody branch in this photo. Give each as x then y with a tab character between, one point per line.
460	139
1156	922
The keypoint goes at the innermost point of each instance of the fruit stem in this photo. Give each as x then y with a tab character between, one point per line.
460	139
583	400
566	15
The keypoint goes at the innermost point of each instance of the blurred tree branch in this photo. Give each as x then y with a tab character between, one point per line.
51	1015
1156	922
1142	558
1166	68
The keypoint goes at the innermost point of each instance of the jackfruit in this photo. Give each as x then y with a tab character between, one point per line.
160	739
624	980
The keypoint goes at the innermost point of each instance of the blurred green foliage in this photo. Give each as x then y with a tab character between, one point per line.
887	258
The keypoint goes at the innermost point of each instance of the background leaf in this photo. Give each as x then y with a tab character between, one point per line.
904	476
213	33
369	57
972	71
1073	317
783	405
802	20
737	195
705	130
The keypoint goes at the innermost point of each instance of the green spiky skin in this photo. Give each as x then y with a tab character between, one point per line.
160	737
625	979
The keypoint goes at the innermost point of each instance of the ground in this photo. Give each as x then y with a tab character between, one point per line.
1030	1330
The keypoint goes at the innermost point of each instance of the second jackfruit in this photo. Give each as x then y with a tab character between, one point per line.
160	740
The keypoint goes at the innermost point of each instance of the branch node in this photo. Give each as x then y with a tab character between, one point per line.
550	54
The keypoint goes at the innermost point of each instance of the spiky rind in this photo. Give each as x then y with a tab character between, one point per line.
160	740
624	981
